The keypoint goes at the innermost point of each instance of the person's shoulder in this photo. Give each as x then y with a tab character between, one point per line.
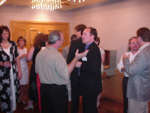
13	43
78	41
32	49
94	46
147	48
41	53
146	51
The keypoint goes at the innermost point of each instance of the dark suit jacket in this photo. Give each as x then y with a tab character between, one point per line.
89	80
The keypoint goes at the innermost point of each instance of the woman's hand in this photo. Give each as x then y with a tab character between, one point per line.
78	64
80	55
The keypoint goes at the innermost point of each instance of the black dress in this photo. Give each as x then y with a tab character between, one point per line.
33	94
5	78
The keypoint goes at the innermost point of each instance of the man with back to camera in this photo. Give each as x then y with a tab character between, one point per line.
138	90
54	75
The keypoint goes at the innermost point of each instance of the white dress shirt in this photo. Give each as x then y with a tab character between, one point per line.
120	64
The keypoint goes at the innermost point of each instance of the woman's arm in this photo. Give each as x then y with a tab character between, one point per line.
19	67
30	54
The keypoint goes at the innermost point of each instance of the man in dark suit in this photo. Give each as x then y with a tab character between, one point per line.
87	80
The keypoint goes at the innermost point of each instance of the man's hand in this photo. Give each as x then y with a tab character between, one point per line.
80	55
125	57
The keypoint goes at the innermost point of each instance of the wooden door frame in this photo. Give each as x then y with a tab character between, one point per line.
44	23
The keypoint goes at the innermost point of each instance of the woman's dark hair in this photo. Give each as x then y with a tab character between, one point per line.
2	29
73	37
38	41
80	28
44	40
21	38
97	40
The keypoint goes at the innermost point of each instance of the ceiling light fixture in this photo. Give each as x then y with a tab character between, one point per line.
46	4
51	4
2	2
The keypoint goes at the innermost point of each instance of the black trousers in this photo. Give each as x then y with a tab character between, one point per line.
75	99
54	98
125	99
89	102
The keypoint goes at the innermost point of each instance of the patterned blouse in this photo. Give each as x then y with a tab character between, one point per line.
5	88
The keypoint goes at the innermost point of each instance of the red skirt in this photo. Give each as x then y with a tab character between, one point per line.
38	90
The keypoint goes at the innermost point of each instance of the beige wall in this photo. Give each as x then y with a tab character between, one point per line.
116	22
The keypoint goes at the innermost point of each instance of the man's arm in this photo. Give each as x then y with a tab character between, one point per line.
73	63
136	66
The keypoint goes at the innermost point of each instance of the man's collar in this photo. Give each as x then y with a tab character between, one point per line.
144	46
87	45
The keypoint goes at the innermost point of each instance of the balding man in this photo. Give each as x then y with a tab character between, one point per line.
54	75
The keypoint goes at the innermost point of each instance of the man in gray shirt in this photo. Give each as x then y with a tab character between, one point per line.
54	75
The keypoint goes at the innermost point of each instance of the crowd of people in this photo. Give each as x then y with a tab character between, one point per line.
56	78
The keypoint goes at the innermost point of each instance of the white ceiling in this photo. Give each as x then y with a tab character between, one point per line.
66	4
